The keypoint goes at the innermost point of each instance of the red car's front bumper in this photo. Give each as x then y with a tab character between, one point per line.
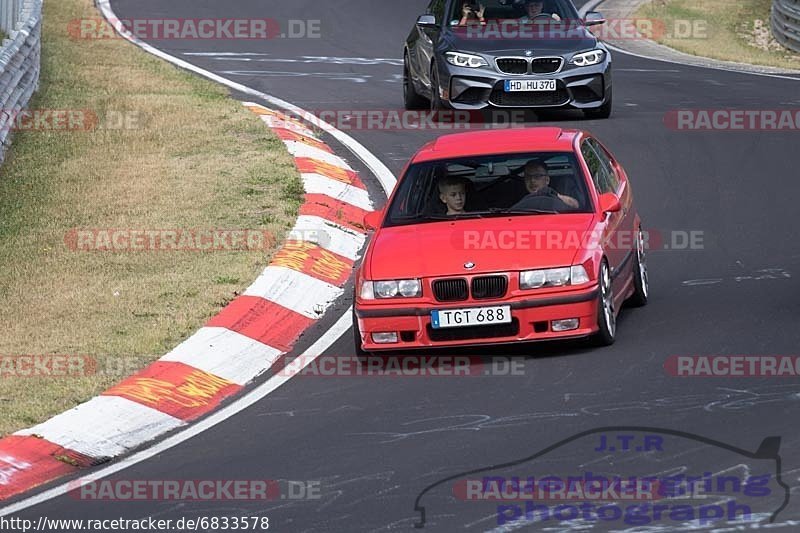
532	319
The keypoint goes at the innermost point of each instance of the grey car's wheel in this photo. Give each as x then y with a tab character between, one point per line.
641	282
436	100
411	98
606	314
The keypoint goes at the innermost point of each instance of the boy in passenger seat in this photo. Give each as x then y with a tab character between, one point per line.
453	194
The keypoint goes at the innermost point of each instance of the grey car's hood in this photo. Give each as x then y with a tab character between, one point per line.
495	40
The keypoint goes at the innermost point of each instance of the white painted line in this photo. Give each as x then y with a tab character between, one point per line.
591	6
295	290
225	353
105	426
329	235
712	67
381	172
319	184
259	393
224	54
299	149
344	323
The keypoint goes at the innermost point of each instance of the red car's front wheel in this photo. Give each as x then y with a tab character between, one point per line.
606	314
360	352
641	282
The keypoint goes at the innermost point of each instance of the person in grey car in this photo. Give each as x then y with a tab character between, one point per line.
535	8
472	12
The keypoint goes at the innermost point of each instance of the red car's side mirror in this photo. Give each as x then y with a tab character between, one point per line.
609	203
373	219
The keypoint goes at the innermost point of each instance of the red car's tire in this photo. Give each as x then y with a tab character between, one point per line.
641	282
360	352
606	314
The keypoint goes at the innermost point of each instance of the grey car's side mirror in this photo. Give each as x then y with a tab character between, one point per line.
593	18
427	21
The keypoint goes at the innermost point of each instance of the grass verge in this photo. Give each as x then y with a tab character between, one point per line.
170	151
735	30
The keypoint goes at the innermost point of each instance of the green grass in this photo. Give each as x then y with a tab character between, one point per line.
736	30
196	159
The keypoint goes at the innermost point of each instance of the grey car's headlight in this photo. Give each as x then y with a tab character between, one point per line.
465	60
586	59
553	277
404	288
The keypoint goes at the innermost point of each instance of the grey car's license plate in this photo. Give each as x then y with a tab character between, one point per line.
512	86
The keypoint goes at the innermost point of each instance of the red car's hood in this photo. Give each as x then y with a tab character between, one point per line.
492	244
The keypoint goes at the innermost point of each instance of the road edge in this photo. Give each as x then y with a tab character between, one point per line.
648	49
242	342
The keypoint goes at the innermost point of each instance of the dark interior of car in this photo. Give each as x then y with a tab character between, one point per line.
499	193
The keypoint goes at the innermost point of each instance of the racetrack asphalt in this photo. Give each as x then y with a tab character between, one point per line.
374	443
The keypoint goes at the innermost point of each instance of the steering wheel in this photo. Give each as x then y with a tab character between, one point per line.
540	202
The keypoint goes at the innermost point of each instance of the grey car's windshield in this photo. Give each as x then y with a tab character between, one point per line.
489	186
506	10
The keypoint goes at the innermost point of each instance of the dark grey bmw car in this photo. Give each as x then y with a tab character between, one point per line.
469	55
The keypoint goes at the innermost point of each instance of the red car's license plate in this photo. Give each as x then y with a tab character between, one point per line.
479	316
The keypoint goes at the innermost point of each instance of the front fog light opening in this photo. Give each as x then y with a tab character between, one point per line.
565	325
385	337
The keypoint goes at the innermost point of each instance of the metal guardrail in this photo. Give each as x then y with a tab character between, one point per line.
20	54
785	21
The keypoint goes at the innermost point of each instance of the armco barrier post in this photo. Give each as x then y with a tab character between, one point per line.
20	53
785	22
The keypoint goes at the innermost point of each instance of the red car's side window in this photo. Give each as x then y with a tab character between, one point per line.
601	167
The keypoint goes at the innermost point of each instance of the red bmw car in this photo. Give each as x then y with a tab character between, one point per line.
501	236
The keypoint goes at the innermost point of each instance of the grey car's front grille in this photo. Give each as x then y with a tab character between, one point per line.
511	65
546	65
520	66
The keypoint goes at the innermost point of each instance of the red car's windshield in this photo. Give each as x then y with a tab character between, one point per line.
483	186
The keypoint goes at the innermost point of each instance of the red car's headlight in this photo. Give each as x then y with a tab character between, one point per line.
403	288
553	277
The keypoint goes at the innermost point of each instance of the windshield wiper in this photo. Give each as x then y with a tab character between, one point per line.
511	211
433	216
475	214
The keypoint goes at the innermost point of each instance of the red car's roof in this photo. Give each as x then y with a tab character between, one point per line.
499	141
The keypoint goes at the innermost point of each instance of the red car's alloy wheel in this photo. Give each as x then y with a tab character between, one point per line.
641	282
606	316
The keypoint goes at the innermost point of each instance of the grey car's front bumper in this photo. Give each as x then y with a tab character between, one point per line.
480	88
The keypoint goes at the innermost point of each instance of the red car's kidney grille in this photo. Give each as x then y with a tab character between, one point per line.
489	287
450	290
